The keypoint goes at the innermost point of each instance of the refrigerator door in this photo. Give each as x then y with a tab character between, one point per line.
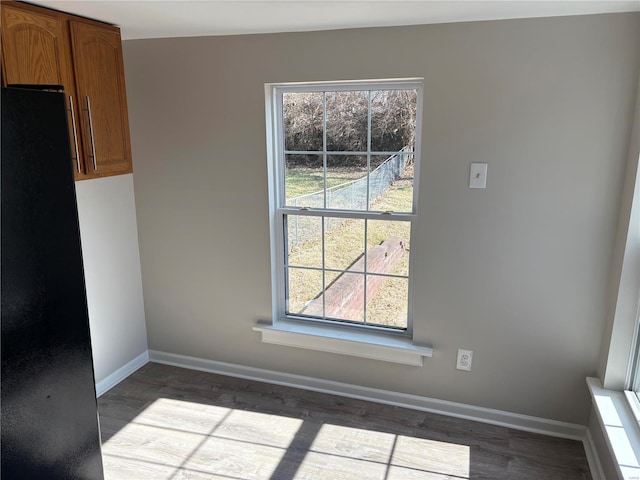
48	403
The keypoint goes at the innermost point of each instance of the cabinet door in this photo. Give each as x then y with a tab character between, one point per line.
36	50
99	71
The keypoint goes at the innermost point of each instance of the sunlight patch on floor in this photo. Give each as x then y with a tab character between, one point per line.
431	456
177	440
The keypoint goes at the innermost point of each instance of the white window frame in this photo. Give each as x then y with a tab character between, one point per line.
367	341
632	387
616	407
633	371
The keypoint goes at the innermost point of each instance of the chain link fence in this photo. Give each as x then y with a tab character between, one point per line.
351	195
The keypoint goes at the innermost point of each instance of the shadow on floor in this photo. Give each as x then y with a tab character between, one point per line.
174	423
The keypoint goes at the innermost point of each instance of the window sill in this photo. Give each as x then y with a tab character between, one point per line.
345	341
619	427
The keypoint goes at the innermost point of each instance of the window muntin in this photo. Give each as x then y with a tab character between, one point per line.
345	208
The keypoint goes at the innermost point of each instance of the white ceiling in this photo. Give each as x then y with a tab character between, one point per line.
157	19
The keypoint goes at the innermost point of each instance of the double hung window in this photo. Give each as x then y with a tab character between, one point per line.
633	380
344	164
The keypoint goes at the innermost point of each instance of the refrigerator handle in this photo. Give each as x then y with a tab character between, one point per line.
93	141
75	133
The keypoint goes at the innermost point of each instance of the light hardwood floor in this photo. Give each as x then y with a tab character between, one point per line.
170	423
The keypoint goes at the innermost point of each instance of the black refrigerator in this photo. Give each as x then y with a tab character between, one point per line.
48	403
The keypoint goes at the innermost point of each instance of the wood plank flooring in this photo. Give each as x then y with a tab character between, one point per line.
170	423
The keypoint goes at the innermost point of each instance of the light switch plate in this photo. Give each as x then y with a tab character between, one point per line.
478	175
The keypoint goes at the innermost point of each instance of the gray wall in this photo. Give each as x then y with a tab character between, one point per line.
516	272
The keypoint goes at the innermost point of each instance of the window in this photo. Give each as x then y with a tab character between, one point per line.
633	377
344	160
633	382
619	417
628	301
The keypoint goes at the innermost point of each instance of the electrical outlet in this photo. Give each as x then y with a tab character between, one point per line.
465	357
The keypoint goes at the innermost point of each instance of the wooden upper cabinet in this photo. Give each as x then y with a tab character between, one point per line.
97	53
35	48
42	46
36	51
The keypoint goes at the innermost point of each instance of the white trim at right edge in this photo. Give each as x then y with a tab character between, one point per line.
619	429
590	450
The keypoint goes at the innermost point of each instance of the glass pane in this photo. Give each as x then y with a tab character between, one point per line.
377	160
344	244
304	291
304	181
330	277
347	121
303	241
347	182
382	176
391	185
388	247
303	118
387	301
393	120
344	298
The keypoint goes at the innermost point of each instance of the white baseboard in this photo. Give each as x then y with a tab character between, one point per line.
426	404
123	372
597	473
